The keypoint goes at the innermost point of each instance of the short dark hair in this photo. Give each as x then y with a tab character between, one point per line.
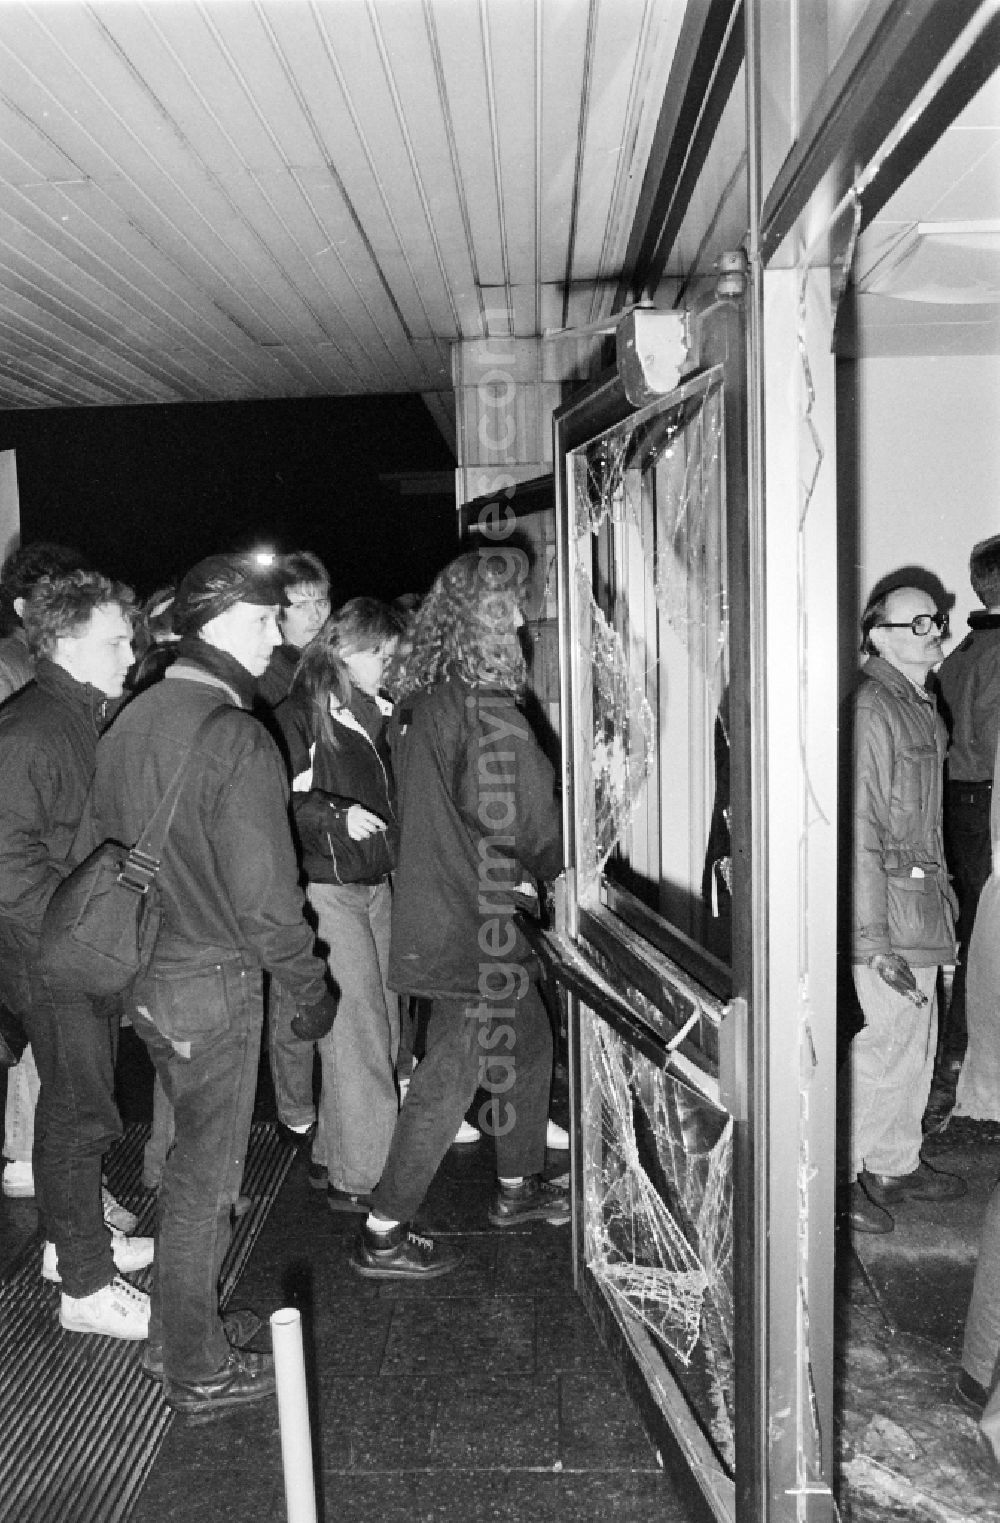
301	566
874	614
984	571
58	606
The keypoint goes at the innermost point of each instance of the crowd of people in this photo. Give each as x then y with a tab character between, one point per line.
362	802
925	909
355	800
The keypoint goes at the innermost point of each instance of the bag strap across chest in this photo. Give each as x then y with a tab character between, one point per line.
143	861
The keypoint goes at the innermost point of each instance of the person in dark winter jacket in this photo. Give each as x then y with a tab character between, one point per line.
79	630
307	607
333	723
232	906
968	688
478	815
22	570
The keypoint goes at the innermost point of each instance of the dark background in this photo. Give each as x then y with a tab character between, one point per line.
146	492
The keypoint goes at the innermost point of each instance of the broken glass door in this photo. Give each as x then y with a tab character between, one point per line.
649	946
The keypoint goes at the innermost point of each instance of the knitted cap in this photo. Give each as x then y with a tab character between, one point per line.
220	581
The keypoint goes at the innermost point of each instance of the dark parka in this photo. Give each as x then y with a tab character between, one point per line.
902	901
48	747
479	813
17	665
229	879
968	682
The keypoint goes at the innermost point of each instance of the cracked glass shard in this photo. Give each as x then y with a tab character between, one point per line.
658	1193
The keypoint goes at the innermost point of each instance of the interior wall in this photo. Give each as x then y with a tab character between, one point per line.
928	468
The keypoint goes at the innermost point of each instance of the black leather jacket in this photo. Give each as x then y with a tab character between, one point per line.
355	769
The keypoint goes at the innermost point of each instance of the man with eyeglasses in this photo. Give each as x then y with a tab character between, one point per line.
902	912
308	604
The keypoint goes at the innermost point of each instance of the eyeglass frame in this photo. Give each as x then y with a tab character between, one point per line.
941	621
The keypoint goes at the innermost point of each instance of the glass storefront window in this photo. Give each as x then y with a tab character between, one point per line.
652	613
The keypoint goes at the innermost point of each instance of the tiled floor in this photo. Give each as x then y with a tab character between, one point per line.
486	1395
482	1395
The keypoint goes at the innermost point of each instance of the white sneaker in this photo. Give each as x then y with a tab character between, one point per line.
466	1134
129	1254
557	1138
116	1215
18	1180
117	1310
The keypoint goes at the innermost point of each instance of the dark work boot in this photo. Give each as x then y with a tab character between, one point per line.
857	1211
922	1183
941	1100
244	1378
401	1255
533	1200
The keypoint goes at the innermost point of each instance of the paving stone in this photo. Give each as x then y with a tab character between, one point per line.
381	1425
208	1470
599	1428
536	1262
446	1496
454	1335
567	1340
493	1421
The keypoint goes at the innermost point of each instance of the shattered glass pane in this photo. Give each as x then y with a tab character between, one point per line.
658	1193
624	736
653	634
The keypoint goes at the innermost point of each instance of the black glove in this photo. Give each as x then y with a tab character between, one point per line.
310	1022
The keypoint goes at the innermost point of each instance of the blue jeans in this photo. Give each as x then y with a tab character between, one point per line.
510	1056
161	1138
291	1061
203	1033
75	1044
19	1112
358	1103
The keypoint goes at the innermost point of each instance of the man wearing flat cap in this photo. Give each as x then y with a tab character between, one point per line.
232	907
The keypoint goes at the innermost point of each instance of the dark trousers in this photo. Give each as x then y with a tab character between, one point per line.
210	1078
969	855
75	1044
509	1054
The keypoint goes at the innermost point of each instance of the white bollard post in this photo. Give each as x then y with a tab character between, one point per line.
293	1415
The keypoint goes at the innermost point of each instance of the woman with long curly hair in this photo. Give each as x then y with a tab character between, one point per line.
478	814
333	723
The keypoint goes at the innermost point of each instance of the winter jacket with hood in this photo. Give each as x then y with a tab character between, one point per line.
902	901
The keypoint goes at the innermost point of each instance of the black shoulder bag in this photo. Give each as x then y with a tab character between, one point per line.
100	926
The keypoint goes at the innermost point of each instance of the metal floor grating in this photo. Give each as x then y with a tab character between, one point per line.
80	1425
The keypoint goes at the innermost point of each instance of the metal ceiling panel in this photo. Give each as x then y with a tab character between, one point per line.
236	199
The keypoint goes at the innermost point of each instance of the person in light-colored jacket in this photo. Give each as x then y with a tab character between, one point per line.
902	926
